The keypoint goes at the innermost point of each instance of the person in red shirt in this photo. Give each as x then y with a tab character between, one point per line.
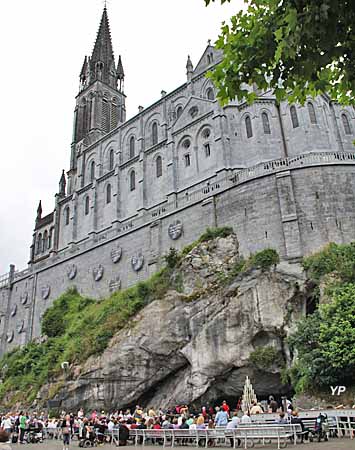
225	407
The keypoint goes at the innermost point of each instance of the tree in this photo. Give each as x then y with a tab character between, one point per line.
325	343
297	48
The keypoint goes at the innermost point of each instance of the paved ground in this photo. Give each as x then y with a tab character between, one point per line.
333	444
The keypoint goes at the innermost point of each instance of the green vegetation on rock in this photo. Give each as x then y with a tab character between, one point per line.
325	340
77	327
265	357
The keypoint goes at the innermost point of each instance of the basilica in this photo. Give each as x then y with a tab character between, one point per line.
281	175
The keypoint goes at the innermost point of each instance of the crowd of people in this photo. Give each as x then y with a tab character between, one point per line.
26	427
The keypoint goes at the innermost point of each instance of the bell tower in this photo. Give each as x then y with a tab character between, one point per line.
100	104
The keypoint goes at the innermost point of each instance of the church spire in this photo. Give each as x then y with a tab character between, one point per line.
102	61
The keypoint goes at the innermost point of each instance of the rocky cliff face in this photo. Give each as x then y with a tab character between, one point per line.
195	345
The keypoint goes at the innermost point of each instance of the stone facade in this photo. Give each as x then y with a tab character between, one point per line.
281	176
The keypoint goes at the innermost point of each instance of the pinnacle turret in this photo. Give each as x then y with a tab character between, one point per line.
189	68
62	185
39	211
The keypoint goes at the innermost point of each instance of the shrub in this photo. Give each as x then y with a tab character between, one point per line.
337	258
266	357
264	259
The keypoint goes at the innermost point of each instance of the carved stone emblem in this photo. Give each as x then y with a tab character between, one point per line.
115	285
13	311
116	254
98	272
72	270
9	337
175	230
45	291
137	262
20	326
24	298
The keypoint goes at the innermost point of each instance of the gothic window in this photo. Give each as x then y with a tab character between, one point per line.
108	193
266	123
114	114
312	113
66	215
111	160
209	59
131	147
92	171
346	124
84	118
207	150
248	127
178	112
87	205
159	166
154	133
50	238
105	116
187	160
45	241
294	117
132	180
210	94
39	243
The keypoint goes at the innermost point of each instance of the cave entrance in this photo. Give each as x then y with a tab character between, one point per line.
233	402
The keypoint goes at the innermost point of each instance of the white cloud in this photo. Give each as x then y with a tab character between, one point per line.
43	46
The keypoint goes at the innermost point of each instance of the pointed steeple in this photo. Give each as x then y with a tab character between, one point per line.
102	62
39	211
62	185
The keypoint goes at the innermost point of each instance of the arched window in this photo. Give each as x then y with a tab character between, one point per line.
159	166
66	215
266	123
92	171
45	241
312	113
39	243
132	180
178	112
87	205
50	238
131	147
108	193
346	124
111	160
248	127
154	133
210	94
294	117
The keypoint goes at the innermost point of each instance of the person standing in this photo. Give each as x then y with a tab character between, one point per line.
22	426
65	426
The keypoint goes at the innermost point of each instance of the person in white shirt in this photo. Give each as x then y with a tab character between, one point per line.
6	424
246	418
231	425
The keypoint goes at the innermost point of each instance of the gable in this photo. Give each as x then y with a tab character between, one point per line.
194	110
209	58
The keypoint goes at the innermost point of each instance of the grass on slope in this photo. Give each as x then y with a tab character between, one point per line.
77	327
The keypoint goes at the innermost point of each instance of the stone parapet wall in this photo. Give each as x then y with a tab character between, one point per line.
295	205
